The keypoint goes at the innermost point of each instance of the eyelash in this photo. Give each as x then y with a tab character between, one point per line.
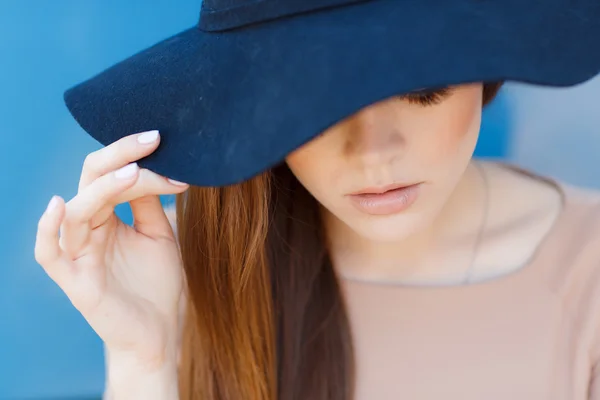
427	98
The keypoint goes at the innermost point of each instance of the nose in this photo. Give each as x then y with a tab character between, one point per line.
374	136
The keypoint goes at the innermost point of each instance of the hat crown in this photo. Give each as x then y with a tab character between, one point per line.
217	15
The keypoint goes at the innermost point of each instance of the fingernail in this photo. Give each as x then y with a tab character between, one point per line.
52	204
127	171
174	182
147	137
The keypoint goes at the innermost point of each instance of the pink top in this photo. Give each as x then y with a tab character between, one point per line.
530	335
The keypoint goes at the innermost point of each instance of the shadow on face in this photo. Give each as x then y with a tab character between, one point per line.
425	137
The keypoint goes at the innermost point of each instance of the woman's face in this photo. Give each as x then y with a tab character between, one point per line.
424	141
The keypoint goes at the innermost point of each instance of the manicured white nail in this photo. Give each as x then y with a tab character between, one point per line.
174	182
147	137
52	204
127	171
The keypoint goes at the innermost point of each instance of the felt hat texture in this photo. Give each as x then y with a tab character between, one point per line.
256	79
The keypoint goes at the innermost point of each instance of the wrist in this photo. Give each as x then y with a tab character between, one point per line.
147	362
128	377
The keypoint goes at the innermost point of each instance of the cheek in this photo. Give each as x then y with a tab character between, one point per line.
315	167
455	128
305	160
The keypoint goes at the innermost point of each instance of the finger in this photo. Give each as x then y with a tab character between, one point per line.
80	210
149	217
118	154
147	183
47	249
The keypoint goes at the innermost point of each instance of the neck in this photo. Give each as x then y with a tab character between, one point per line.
422	255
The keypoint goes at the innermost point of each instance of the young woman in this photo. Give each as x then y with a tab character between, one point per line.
369	259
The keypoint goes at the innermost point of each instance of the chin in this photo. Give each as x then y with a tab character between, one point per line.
389	228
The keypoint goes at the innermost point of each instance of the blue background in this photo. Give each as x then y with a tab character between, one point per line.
47	349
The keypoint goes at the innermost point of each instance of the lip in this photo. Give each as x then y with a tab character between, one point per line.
381	189
385	200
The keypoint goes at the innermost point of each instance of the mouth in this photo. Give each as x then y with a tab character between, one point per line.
382	189
385	200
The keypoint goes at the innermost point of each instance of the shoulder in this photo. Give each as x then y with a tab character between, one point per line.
528	209
533	197
582	226
523	211
582	214
578	263
570	256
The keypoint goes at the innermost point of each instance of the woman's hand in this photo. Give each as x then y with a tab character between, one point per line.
126	281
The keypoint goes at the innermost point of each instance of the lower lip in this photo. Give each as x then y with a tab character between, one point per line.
390	202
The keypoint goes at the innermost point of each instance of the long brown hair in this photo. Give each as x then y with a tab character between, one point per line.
265	318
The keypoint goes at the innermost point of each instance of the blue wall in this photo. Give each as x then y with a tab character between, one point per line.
46	348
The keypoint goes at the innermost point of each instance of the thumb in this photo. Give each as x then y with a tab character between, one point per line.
149	217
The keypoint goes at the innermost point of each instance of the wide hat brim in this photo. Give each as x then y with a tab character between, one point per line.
234	103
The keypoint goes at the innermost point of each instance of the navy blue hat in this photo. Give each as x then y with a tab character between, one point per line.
256	79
